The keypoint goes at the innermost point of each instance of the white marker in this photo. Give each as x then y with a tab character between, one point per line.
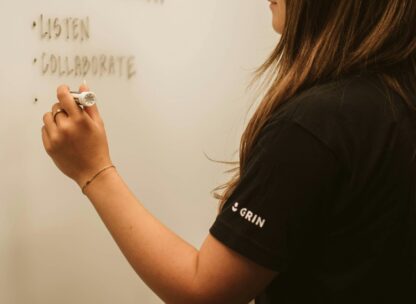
86	99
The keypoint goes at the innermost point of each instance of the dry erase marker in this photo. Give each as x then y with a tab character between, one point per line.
86	99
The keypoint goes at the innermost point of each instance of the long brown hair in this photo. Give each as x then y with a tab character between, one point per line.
325	40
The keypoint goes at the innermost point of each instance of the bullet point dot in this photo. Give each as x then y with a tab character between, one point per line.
35	60
34	24
36	100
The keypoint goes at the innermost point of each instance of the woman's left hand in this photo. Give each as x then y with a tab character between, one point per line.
75	138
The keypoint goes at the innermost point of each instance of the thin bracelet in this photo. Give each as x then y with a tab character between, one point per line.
98	173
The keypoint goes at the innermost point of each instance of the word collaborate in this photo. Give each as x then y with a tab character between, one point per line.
102	65
75	29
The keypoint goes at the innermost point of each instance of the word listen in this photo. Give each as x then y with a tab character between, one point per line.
76	29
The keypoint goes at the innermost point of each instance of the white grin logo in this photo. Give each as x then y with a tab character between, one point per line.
249	216
235	207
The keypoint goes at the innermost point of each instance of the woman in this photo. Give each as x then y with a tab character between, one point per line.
322	208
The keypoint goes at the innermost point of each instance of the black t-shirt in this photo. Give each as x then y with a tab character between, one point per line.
327	198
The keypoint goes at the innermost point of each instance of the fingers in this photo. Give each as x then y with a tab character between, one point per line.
92	111
50	129
74	111
83	88
58	116
49	123
67	102
45	140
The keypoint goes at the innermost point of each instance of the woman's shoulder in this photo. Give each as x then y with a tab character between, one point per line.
344	114
351	98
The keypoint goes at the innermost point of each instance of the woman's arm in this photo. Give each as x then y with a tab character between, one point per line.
175	270
172	268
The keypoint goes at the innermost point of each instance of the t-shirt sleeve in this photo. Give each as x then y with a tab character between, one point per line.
273	217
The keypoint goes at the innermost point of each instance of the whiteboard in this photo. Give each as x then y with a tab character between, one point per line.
178	92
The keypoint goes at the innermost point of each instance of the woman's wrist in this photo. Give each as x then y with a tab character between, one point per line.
92	177
95	176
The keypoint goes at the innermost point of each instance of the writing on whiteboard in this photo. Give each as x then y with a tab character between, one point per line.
77	65
73	29
70	28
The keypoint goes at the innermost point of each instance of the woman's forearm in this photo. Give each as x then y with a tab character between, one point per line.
164	261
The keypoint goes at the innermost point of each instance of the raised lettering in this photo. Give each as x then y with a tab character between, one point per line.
57	27
260	222
60	72
94	65
85	29
49	32
103	60
111	65
69	70
249	215
130	67
78	66
45	66
67	27
43	34
75	23
54	64
85	65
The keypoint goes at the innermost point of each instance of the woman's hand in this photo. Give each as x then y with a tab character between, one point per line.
75	138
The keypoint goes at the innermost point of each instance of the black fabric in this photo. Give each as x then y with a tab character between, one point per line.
327	198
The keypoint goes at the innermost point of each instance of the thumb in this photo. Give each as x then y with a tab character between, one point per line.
93	110
84	87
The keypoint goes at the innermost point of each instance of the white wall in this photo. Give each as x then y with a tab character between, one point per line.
193	60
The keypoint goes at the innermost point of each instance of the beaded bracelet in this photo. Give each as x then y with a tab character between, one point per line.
98	173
